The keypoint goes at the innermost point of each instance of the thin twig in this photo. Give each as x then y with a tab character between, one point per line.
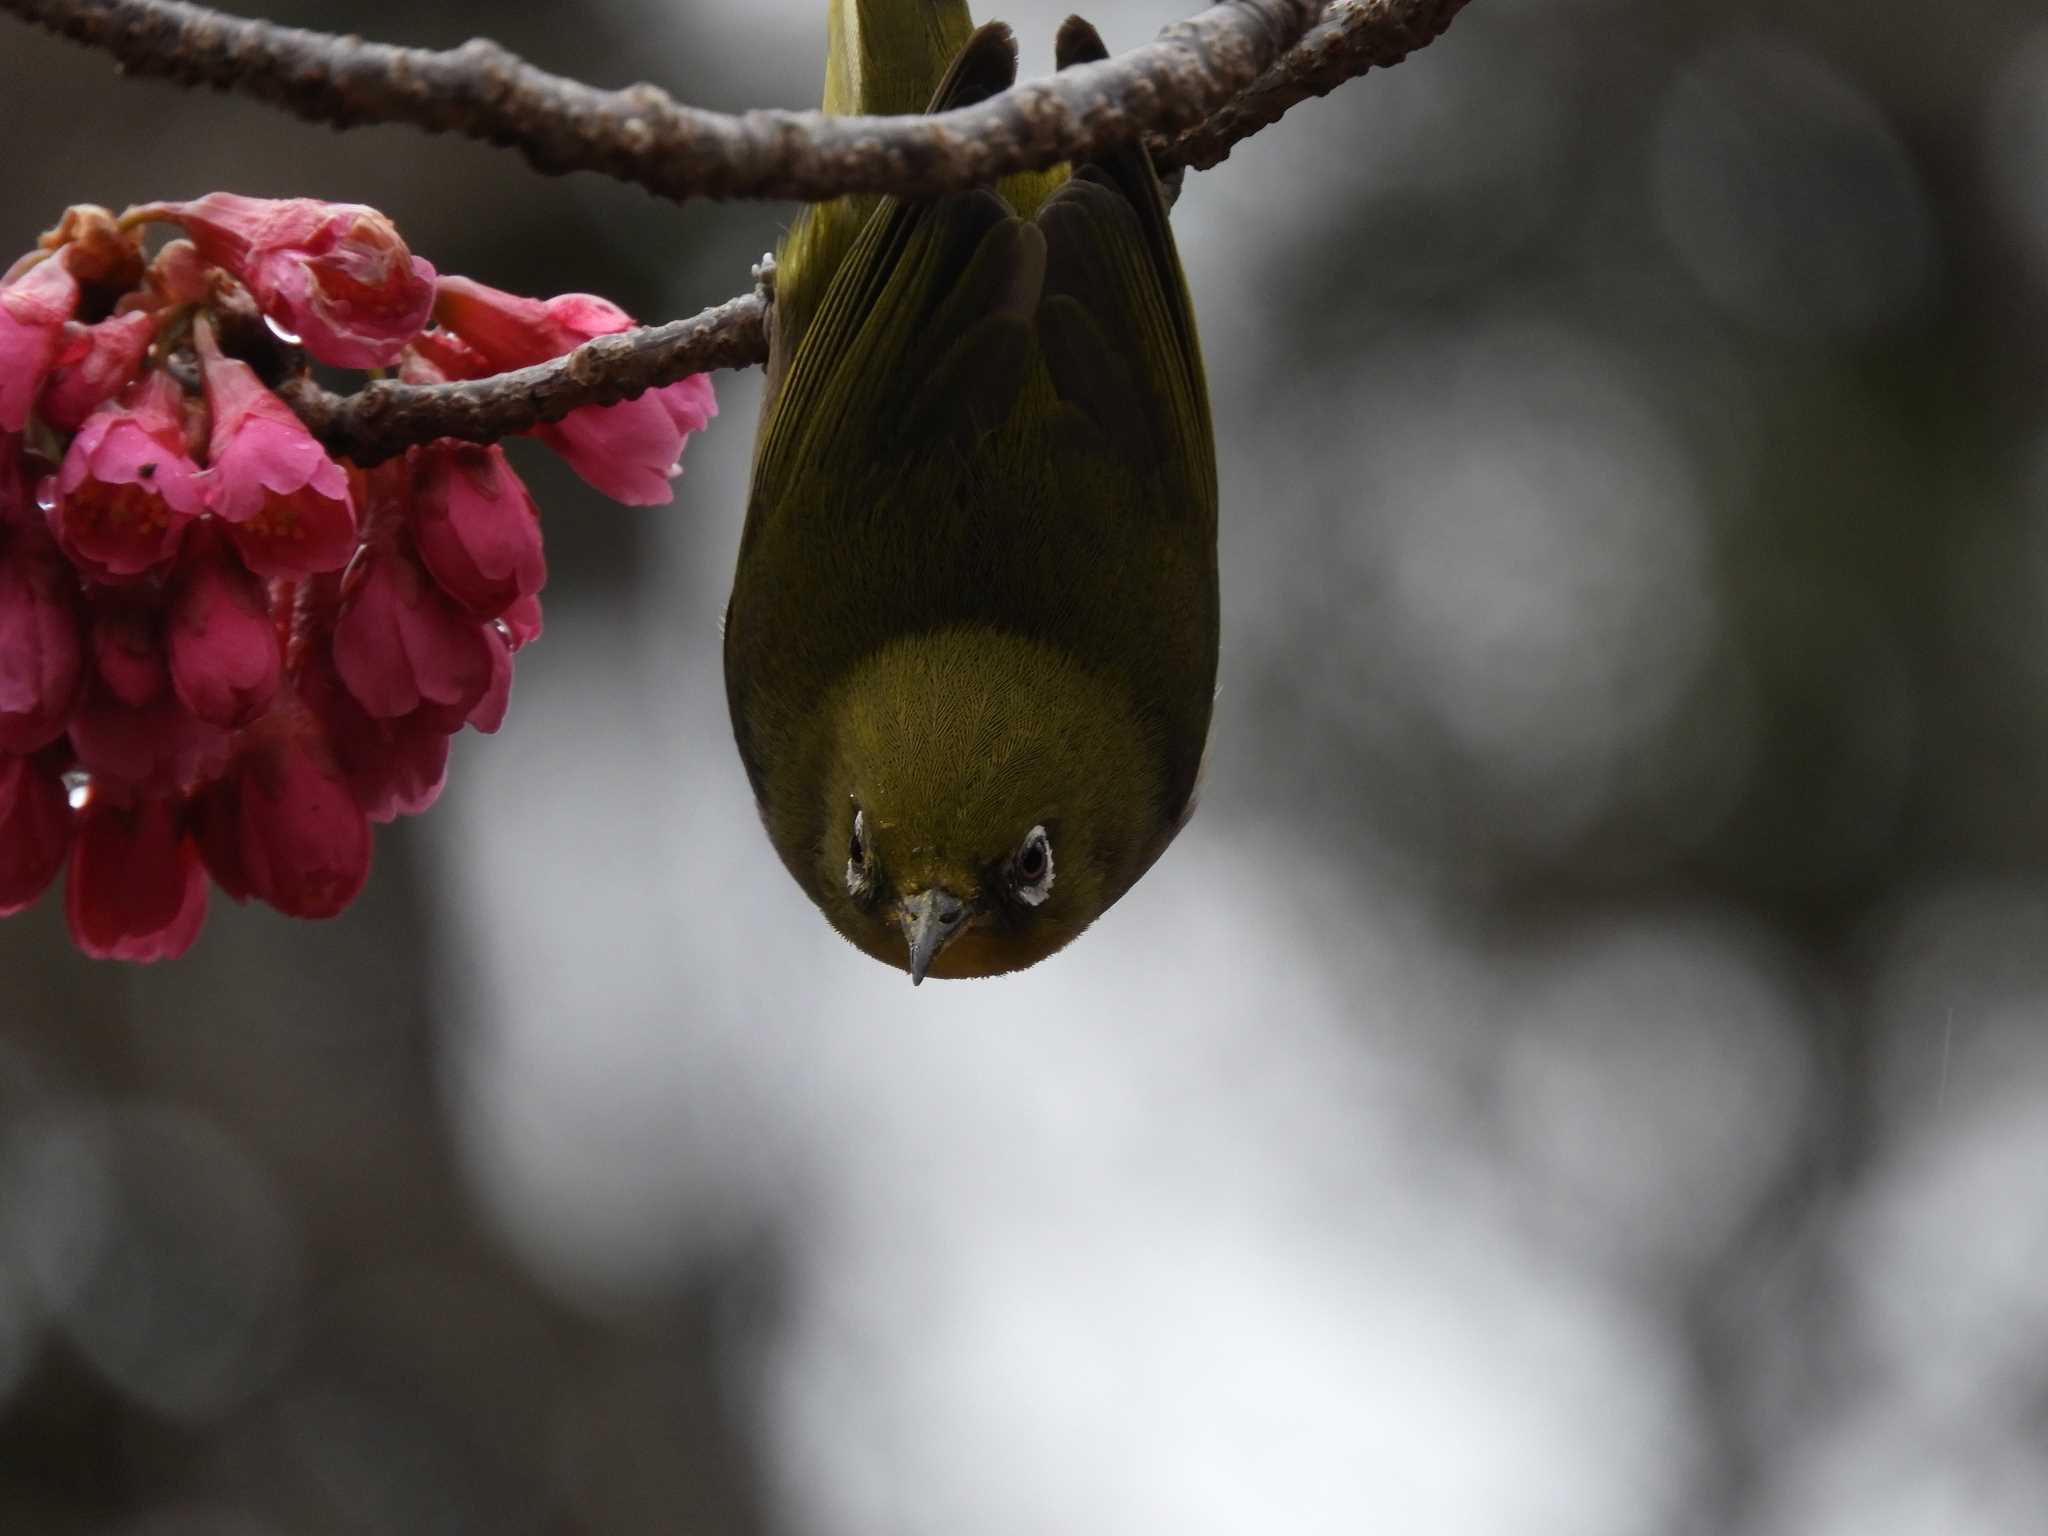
1353	36
385	418
642	135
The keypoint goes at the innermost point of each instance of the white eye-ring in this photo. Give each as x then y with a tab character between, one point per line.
857	856
1031	869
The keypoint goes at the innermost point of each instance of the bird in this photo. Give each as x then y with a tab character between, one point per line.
972	642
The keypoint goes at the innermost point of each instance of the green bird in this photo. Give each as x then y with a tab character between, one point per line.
971	647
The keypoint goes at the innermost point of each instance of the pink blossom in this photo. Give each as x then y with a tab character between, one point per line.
130	730
35	830
629	451
223	642
400	643
441	356
126	489
286	502
395	767
282	825
512	332
33	311
137	890
154	749
477	528
127	648
336	275
113	357
178	275
41	641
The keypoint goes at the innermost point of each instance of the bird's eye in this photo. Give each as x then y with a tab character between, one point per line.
1031	869
857	879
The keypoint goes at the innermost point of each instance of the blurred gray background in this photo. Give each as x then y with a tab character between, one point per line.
1582	1072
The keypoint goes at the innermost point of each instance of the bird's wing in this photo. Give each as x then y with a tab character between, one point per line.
1116	330
1116	325
923	332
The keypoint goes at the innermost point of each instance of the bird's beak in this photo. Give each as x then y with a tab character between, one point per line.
931	919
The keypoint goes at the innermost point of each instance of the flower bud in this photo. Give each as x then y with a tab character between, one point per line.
281	824
400	643
394	767
41	641
113	358
335	275
99	251
126	489
33	310
629	451
177	275
127	648
150	749
35	830
137	890
130	730
222	640
285	501
477	529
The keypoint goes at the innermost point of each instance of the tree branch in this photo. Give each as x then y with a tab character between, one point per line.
641	135
1178	90
384	418
1353	36
1205	85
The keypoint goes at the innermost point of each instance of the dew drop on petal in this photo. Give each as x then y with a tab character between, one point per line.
77	788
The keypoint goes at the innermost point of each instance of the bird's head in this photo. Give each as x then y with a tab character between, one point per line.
986	800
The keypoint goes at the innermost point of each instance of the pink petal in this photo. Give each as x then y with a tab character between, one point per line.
304	842
288	502
137	890
35	830
111	363
223	643
629	451
400	643
126	489
490	710
513	332
155	749
476	527
337	275
33	309
41	641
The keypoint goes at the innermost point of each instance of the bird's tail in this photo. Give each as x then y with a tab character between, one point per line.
887	57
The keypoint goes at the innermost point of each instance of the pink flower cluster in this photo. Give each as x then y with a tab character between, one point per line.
224	653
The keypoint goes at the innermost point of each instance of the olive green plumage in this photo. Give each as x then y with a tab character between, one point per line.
976	603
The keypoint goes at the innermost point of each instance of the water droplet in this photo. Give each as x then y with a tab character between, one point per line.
77	788
283	335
